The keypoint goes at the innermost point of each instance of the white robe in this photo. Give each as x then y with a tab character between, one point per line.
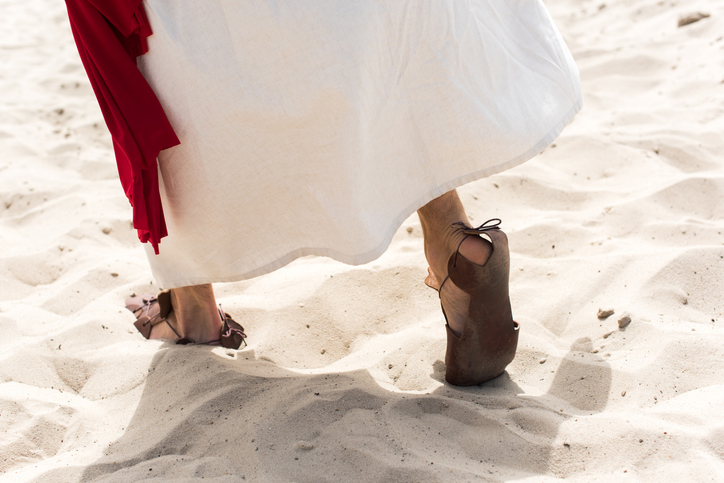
316	127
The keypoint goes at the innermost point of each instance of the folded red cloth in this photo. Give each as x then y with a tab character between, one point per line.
110	34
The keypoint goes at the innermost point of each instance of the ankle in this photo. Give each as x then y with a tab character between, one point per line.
439	249
195	314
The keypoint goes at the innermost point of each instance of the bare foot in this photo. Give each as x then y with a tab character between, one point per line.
194	316
442	239
455	301
163	331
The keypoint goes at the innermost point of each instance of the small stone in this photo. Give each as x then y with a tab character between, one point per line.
114	274
607	335
542	361
107	230
692	18
623	393
409	229
605	313
303	446
624	321
323	351
390	366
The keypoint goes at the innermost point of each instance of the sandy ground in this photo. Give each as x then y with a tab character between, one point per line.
343	376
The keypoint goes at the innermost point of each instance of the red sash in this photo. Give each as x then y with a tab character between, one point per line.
110	34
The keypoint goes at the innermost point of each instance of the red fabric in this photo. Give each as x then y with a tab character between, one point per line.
110	34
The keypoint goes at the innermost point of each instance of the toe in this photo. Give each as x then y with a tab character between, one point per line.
432	281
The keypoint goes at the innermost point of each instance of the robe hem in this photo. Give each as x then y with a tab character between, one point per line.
396	223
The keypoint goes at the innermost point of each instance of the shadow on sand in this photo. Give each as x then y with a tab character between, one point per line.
226	416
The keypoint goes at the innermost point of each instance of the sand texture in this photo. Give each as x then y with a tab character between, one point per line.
343	376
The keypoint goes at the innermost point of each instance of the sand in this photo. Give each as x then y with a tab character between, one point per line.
343	376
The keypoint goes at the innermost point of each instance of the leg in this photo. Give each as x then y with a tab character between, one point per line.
441	241
195	315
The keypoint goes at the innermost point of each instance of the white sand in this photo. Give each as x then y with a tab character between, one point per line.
342	380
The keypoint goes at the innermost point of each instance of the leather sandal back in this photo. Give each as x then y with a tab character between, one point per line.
490	337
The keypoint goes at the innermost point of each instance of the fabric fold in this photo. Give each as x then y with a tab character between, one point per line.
339	120
110	35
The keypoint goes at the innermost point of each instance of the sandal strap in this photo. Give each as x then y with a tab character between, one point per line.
231	337
148	311
491	224
174	330
232	333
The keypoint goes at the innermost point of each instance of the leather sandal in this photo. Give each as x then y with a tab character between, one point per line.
490	336
152	310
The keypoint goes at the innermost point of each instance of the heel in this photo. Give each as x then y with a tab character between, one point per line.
490	337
